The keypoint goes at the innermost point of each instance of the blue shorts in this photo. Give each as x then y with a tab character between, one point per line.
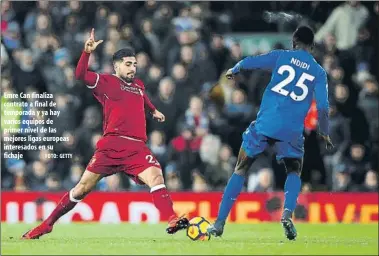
254	143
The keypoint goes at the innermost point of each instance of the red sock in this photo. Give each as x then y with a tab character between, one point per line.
162	201
65	205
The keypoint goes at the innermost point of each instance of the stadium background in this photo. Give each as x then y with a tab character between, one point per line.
184	49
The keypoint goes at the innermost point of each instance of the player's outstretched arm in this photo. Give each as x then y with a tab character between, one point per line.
264	61
156	114
322	103
81	72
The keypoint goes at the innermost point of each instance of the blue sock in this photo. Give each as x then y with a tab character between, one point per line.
292	189
232	190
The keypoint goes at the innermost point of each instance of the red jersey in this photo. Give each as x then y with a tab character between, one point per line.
123	103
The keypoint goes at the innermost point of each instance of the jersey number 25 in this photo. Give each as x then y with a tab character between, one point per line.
279	88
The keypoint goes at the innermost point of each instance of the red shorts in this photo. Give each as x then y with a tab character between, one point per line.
118	154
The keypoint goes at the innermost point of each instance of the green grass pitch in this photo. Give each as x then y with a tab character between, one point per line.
124	239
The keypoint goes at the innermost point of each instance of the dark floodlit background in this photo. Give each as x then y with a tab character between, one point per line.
183	51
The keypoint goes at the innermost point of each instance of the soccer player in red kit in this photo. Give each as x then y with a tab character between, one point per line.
123	145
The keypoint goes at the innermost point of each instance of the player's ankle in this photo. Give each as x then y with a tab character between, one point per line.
220	222
172	217
46	223
286	214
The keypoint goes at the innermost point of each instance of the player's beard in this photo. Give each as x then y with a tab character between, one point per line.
128	78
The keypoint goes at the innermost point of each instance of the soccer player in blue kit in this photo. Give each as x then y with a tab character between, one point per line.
296	79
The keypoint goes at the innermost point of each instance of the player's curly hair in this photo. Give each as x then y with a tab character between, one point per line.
125	52
304	35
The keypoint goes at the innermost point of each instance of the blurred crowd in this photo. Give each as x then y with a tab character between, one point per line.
182	58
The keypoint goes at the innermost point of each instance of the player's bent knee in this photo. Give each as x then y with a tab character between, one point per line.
298	173
241	172
293	165
152	176
239	168
157	180
243	165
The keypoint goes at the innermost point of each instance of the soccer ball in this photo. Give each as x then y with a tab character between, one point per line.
197	229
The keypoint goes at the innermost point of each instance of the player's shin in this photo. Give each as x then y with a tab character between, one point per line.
162	201
233	188
66	204
231	192
291	192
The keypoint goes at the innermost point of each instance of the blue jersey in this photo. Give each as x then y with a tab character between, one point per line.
296	79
